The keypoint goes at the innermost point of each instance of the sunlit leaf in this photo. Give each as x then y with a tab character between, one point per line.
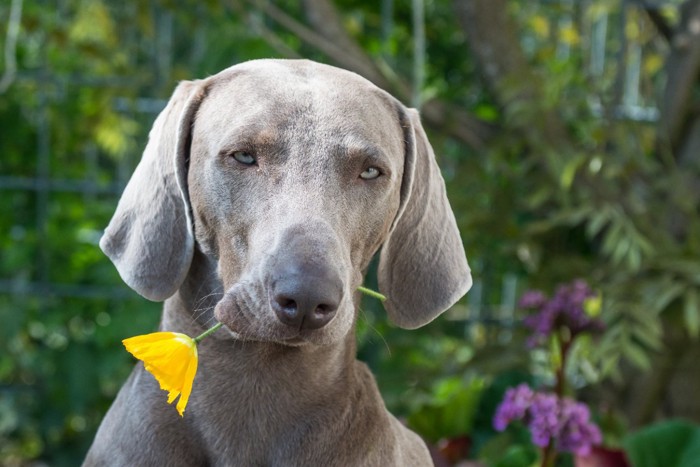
540	25
632	30
114	133
653	63
569	35
93	24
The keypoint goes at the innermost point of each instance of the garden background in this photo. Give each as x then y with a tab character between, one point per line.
568	133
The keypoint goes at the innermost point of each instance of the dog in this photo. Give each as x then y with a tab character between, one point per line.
262	195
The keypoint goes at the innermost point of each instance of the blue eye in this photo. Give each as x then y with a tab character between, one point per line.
244	157
370	173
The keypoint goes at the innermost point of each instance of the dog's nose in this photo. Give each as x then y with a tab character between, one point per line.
306	302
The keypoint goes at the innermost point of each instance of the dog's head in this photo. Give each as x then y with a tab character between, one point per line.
289	176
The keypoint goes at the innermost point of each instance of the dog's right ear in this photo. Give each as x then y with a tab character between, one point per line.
150	238
422	267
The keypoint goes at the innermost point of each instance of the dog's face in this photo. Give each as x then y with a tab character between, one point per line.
294	183
289	176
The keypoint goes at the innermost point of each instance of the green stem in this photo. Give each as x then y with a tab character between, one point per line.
207	332
371	293
549	455
564	347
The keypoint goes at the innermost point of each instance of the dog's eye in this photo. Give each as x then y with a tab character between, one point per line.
244	157
370	173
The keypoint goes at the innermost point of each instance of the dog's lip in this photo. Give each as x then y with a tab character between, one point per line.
238	324
294	341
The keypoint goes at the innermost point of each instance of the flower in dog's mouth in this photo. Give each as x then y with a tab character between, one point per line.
171	357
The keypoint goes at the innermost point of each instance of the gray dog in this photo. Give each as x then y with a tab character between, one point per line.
262	195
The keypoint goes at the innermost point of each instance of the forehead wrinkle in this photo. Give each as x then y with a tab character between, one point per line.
359	149
247	132
313	112
363	120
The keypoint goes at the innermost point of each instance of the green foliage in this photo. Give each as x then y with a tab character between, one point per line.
563	188
515	455
61	366
449	410
596	197
674	443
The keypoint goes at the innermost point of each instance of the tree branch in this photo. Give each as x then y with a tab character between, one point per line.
654	14
683	70
256	23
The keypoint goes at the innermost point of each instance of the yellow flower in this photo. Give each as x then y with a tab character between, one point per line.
172	358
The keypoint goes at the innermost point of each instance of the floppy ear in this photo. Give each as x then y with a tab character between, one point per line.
422	266
150	238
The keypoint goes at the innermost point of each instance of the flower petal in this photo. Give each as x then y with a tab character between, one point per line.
171	358
187	386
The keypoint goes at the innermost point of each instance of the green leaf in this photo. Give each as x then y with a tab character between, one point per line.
598	220
518	456
667	295
691	312
648	336
674	443
635	354
509	450
612	238
566	179
593	305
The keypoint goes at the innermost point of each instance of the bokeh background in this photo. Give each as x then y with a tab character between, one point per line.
567	130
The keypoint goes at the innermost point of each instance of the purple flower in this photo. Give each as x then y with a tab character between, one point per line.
515	402
532	299
564	309
549	418
577	433
544	418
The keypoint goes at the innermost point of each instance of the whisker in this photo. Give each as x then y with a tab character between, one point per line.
363	315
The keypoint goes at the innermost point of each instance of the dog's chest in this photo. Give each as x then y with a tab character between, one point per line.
245	417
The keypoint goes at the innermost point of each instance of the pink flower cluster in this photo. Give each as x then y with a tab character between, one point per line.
550	419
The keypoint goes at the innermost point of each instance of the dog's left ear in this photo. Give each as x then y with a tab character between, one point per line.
423	269
150	238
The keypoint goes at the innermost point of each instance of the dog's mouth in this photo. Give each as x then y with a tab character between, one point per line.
293	341
253	324
297	340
